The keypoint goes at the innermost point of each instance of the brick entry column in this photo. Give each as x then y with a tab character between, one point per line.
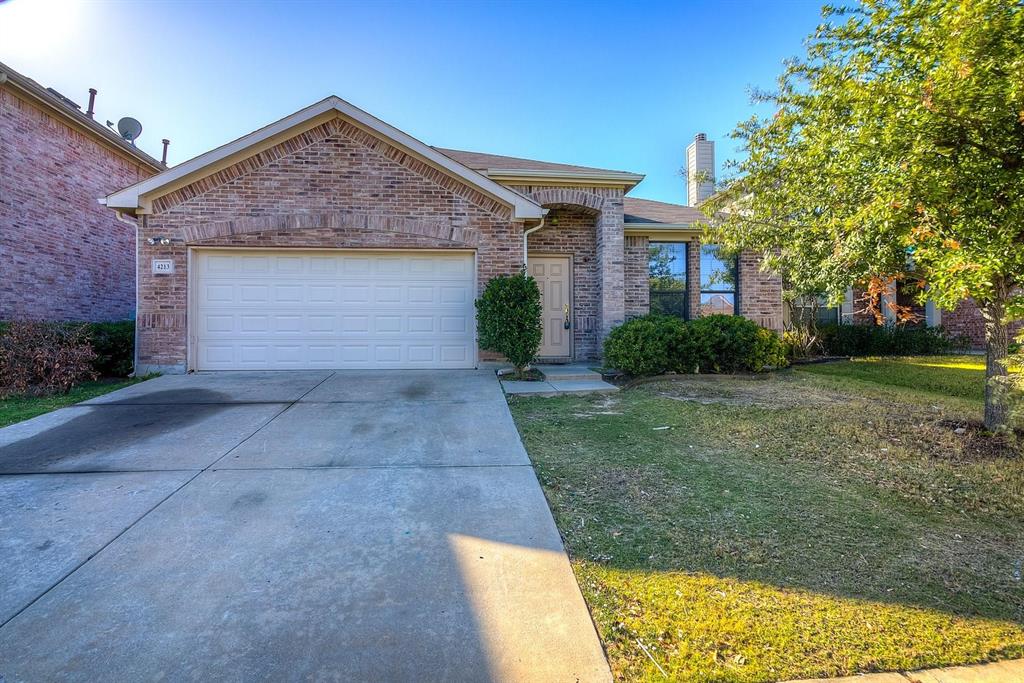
611	265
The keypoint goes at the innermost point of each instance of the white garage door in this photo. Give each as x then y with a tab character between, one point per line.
284	310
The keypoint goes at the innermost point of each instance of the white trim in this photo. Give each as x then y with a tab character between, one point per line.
191	346
544	176
656	227
130	197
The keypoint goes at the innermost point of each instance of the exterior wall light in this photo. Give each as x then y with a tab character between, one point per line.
159	239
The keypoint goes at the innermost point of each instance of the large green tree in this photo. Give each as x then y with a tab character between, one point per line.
895	151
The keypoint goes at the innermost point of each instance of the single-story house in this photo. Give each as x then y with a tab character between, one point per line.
63	257
964	322
331	239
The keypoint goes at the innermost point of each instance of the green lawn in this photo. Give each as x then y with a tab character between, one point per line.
821	521
21	408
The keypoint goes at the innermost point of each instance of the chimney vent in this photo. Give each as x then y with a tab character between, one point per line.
163	159
92	103
700	169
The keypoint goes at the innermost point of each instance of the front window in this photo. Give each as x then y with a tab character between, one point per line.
666	267
717	281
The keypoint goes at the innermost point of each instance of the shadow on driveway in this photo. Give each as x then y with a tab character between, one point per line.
105	429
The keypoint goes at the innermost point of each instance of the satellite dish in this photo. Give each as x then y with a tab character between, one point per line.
129	128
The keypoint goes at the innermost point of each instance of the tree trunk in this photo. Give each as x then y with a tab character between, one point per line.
997	345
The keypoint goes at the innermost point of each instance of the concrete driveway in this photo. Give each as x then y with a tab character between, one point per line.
302	525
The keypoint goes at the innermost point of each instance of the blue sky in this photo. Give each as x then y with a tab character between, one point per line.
609	84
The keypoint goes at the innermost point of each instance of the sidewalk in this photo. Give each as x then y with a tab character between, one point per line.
996	672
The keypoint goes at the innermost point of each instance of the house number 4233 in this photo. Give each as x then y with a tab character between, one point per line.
163	266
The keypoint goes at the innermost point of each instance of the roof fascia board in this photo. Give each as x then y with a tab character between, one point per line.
662	231
546	177
225	155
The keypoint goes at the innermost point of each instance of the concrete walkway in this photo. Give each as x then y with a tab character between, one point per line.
996	672
573	378
285	526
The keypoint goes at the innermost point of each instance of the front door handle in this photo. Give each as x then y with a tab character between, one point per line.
566	309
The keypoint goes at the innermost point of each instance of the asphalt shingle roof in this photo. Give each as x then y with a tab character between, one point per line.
478	161
650	211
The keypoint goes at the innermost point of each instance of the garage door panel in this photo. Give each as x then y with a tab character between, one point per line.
333	310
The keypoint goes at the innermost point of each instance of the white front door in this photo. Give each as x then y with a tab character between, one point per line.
554	277
274	309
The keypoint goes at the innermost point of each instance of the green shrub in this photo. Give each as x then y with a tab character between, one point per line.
891	340
655	344
651	345
732	343
508	318
114	344
43	358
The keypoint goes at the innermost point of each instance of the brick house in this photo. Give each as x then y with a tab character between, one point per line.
963	322
62	255
330	239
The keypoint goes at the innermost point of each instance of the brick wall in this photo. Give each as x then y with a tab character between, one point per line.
332	187
760	293
63	256
573	231
605	204
637	280
965	320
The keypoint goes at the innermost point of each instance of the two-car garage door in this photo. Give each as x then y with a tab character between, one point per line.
284	310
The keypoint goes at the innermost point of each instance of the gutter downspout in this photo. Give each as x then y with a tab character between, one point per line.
135	224
526	236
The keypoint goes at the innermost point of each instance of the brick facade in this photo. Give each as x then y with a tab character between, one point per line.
760	293
333	187
572	232
966	321
636	276
605	204
63	256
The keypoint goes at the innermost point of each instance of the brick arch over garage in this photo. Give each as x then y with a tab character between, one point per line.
418	229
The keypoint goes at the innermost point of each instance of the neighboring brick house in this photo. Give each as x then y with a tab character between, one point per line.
963	322
62	255
330	239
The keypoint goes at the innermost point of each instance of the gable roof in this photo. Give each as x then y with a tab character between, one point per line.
650	212
135	197
512	169
67	109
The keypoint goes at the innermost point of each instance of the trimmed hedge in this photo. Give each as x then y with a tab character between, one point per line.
508	318
873	340
655	344
114	344
732	344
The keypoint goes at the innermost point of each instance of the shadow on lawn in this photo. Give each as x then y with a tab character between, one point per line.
751	527
634	494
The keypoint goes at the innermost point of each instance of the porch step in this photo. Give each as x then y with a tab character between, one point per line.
569	372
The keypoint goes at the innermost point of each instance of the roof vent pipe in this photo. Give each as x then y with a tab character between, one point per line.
92	103
163	159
